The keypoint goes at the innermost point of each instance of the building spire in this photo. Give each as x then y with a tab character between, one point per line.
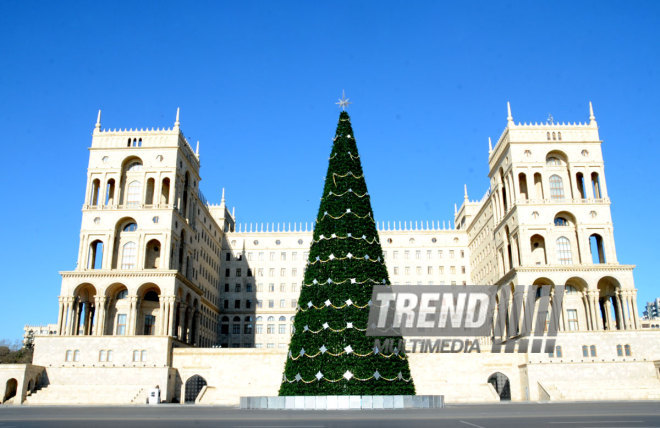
455	209
465	195
592	118
509	117
222	201
177	123
98	121
197	150
490	146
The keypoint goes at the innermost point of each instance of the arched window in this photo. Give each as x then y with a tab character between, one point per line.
130	227
122	294
580	184
554	137
165	191
548	136
556	187
522	185
94	197
553	161
571	290
559	136
561	221
597	249
134	167
134	194
95	258
538	186
595	183
129	255
564	255
149	198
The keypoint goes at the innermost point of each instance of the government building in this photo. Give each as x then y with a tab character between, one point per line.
173	291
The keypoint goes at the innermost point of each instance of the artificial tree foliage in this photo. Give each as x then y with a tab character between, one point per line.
330	352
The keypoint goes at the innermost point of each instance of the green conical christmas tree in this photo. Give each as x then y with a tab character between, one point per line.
330	353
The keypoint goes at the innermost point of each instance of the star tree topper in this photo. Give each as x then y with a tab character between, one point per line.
343	101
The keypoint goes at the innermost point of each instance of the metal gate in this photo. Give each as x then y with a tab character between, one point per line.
501	384
193	386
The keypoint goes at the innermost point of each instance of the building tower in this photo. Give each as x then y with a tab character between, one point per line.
546	220
148	260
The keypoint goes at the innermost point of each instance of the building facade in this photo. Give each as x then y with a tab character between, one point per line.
162	273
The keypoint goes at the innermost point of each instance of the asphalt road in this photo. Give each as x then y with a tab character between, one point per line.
509	415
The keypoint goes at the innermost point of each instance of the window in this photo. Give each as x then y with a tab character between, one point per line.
102	355
259	329
558	352
556	187
572	319
248	287
76	355
130	227
270	329
281	329
282	303
122	294
121	324
134	194
237	304
619	351
592	350
237	288
129	255
238	272
564	254
109	355
561	221
553	161
236	329
282	287
271	304
69	356
585	351
248	304
149	322
627	350
271	287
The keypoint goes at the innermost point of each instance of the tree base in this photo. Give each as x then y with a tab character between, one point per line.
344	402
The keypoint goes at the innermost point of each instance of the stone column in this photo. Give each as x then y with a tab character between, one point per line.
189	323
99	325
634	309
132	317
608	313
171	314
595	310
619	312
59	316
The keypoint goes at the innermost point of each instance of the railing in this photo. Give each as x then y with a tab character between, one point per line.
127	206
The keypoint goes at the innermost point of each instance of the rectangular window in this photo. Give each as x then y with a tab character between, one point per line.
270	345
428	254
283	272
236	329
248	287
121	324
451	254
260	303
628	351
395	255
396	270
227	273
271	256
271	272
238	272
418	254
271	304
226	304
109	355
226	288
558	352
282	287
452	270
237	304
149	323
129	256
619	351
294	272
592	350
136	356
294	287
294	302
271	287
572	319
462	269
406	255
69	356
248	304
270	329
281	328
282	303
76	355
418	270
258	345
261	256
143	356
294	256
260	272
407	270
260	330
429	270
283	256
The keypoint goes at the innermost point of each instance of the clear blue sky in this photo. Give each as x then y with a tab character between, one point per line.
257	82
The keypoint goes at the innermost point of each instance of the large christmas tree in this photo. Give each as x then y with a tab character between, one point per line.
330	353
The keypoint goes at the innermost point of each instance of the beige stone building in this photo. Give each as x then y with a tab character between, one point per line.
167	285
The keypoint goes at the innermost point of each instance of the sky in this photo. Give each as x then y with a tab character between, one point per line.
257	81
